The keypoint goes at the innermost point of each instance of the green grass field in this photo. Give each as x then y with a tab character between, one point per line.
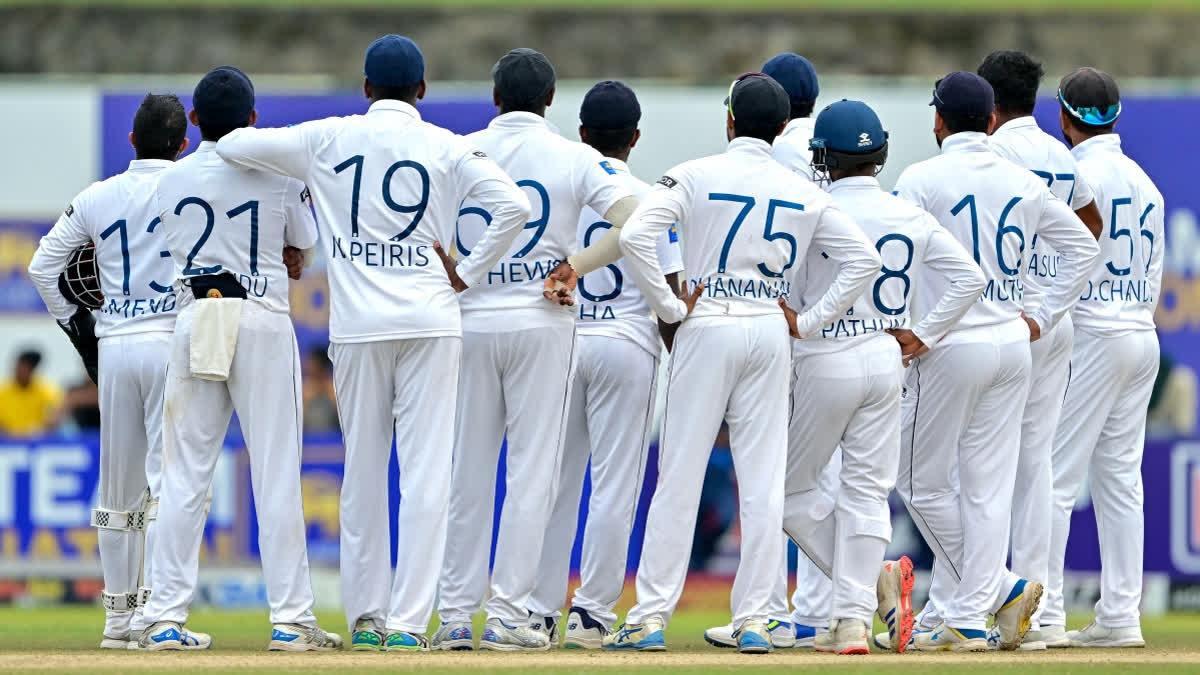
1011	6
61	639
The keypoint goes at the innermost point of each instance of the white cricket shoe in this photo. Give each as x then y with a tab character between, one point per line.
753	638
893	591
1055	637
500	636
845	636
117	642
642	637
292	637
946	639
546	625
783	635
1033	641
583	631
454	636
1015	618
1095	635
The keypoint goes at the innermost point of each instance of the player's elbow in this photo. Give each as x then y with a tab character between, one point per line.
975	281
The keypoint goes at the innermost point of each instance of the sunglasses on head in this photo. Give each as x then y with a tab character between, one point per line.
1092	115
729	97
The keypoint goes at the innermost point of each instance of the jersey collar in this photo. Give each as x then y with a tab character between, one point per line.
206	146
854	183
1098	144
806	124
751	146
1017	124
521	120
391	104
149	165
965	141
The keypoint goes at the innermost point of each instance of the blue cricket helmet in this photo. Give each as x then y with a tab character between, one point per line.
848	134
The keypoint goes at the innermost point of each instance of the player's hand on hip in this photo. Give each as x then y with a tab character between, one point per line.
560	285
690	299
1035	331
911	346
456	281
791	316
293	260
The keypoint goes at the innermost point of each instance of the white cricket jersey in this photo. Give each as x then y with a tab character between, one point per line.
610	304
1022	142
791	148
1123	290
908	239
387	185
745	221
560	177
221	218
119	215
994	208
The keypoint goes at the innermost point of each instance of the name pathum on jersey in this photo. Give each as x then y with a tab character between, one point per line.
222	219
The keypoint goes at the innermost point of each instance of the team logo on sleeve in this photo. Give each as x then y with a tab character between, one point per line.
608	167
70	210
667	181
673	234
480	154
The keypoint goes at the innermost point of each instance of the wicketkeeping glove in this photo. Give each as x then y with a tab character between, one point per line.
81	329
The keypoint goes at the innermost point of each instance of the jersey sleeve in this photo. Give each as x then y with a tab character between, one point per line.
857	260
300	218
944	255
666	204
597	184
908	186
1082	195
483	181
794	157
669	255
54	250
1077	255
286	151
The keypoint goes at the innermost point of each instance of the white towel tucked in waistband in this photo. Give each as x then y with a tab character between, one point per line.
214	337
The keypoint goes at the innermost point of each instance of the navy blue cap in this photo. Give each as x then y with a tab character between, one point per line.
797	76
756	98
394	61
223	98
848	127
523	76
610	105
964	94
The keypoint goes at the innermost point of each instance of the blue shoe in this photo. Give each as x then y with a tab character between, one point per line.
753	638
366	636
454	636
642	637
946	638
805	635
162	635
400	640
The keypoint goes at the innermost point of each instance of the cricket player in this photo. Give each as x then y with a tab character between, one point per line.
519	353
611	410
745	220
134	324
963	400
1113	366
1015	77
388	186
812	599
847	381
233	349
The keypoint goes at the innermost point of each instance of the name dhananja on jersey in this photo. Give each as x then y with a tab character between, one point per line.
387	185
560	177
994	208
745	221
908	239
1123	290
1022	142
791	148
119	215
220	218
610	304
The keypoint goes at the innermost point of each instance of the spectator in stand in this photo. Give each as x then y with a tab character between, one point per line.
83	406
320	404
29	404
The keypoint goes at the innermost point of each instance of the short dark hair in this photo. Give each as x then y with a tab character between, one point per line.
30	357
610	140
159	127
762	131
802	110
1014	77
960	123
537	107
211	132
407	93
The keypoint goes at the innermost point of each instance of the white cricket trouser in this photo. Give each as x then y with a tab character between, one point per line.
734	368
1030	532
812	601
610	416
407	388
959	462
132	373
851	398
1102	435
264	388
517	380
